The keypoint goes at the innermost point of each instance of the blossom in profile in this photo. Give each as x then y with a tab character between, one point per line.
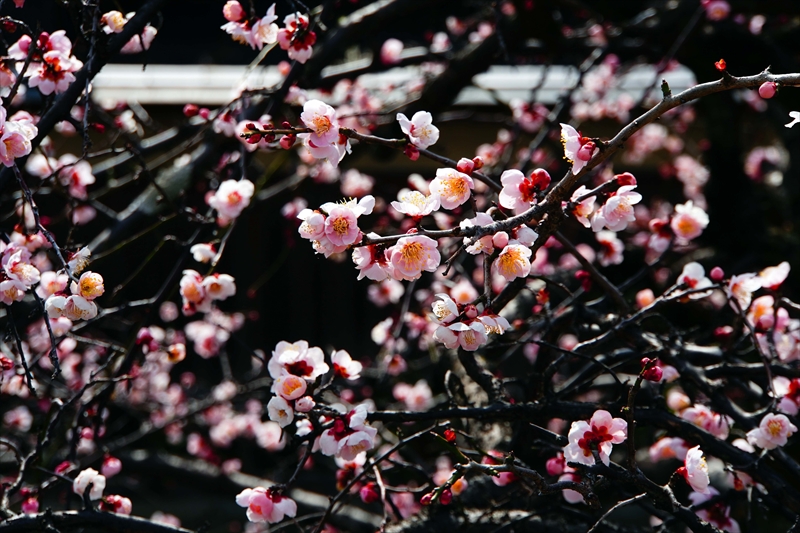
266	505
519	192
742	287
772	432
415	204
599	433
412	255
689	221
290	387
583	210
451	187
445	309
578	150
513	262
86	477
420	129
280	411
694	277
695	470
773	277
232	197
345	366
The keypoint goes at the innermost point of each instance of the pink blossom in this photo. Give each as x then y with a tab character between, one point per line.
391	51
321	119
411	255
194	295
15	138
371	263
296	38
611	248
345	366
601	432
694	277
513	262
445	309
341	226
233	11
55	72
313	226
717	514
117	504
266	505
289	386
668	448
30	505
418	397
280	411
484	244
232	197
12	290
742	287
79	308
689	221
113	22
349	436
111	467
584	209
695	470
415	204
717	9
519	192
494	323
451	187
75	174
772	432
469	336
387	291
140	42
618	211
84	478
773	277
297	359
578	150
703	417
203	252
420	130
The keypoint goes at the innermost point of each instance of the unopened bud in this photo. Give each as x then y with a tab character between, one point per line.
768	89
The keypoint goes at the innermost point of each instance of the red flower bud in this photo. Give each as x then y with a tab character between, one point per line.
190	110
411	152
250	126
465	165
450	435
721	65
541	179
717	274
287	141
204	113
254	138
426	499
768	90
446	497
9	26
585	278
369	494
654	374
478	163
626	178
6	364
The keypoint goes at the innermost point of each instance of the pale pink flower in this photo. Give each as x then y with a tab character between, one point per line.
90	285
788	391
611	248
694	277
668	448
233	11
494	323
391	51
84	478
54	305
79	308
194	295
304	404
463	292
18	268
418	397
486	243
420	130
203	252
297	359
349	436
371	263
583	210
232	197
321	119
117	504
345	366
571	496
470	336
296	38
578	150
513	262
387	291
773	277
618	211
313	226
772	432
415	204
280	411
15	141
519	192
451	187
264	30
11	291
55	72
411	255
219	286
266	505
689	221
290	387
113	22
446	336
695	470
445	310
111	467
341	226
742	287
600	433
703	417
140	42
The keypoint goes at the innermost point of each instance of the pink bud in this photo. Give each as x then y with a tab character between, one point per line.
190	110
204	113
471	311
500	239
717	274
446	497
767	90
111	467
626	178
368	493
541	179
585	152
287	141
411	152
30	506
478	163
304	404
233	11
555	465
426	499
465	165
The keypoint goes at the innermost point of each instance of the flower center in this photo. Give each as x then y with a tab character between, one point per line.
322	124
341	226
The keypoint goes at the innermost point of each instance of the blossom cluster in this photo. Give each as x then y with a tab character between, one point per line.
52	63
295	37
199	292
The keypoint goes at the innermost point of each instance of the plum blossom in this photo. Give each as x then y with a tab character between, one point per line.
280	411
695	470
618	211
484	244
266	505
445	309
255	33
668	448
717	514
15	138
117	504
232	197
519	192
601	432
773	277
703	417
451	187
411	255
788	391
84	478
469	335
415	204
74	174
140	42
578	150
772	432
320	118
90	286
297	359
742	287
694	277
583	210
289	387
349	436
345	366
296	38
55	72
11	291
689	221
513	262
371	263
202	252
611	248
420	129
418	397
194	294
